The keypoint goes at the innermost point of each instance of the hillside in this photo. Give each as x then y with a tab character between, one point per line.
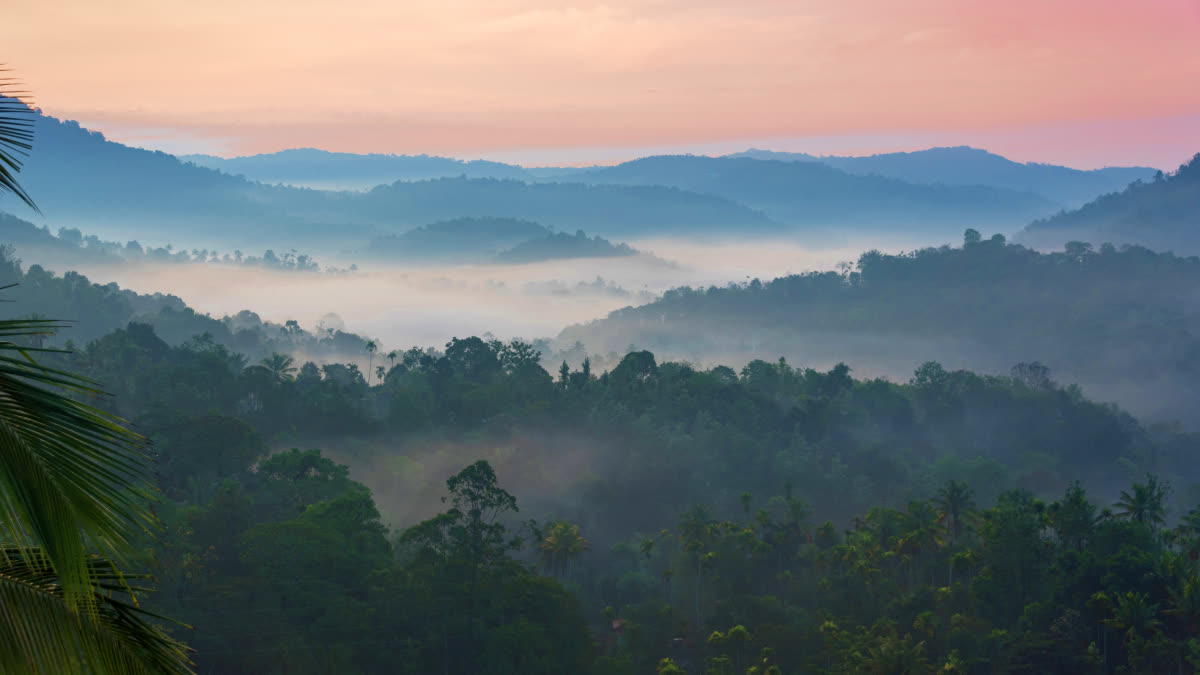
562	246
971	166
1163	213
806	193
460	239
81	180
482	240
92	310
1123	323
70	247
320	169
608	210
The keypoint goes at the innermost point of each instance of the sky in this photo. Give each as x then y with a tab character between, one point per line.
1085	83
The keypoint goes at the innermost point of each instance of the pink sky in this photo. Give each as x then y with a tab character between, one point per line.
1080	82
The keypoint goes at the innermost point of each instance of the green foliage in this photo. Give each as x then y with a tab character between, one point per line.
838	525
987	303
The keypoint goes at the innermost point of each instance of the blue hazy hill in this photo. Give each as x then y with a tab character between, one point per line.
971	166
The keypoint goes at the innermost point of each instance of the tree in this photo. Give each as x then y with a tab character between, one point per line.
72	481
470	529
696	533
1146	504
371	348
280	366
16	137
1073	518
492	615
954	501
971	236
561	545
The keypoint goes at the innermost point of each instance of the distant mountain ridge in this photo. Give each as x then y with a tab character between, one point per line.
964	165
951	166
320	169
80	179
803	193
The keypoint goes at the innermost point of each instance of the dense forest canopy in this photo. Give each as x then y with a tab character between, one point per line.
1119	321
607	521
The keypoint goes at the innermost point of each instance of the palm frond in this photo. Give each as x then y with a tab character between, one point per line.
40	633
17	120
72	477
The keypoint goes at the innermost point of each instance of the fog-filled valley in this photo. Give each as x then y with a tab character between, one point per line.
736	413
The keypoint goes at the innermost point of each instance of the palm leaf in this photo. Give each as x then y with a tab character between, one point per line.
72	478
17	119
40	633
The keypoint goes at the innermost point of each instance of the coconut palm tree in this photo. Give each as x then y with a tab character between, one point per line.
17	120
371	348
1134	615
561	546
1146	504
73	498
954	501
281	367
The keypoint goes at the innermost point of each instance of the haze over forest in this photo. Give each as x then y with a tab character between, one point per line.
548	340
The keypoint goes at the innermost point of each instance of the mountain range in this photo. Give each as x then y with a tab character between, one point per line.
971	166
82	180
802	193
319	169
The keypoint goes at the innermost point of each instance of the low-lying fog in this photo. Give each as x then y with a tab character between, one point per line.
419	305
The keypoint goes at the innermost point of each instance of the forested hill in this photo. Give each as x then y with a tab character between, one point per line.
91	310
482	240
608	210
1121	322
562	246
71	247
810	193
972	166
1163	213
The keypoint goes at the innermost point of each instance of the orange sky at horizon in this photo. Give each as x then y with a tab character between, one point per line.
1071	81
